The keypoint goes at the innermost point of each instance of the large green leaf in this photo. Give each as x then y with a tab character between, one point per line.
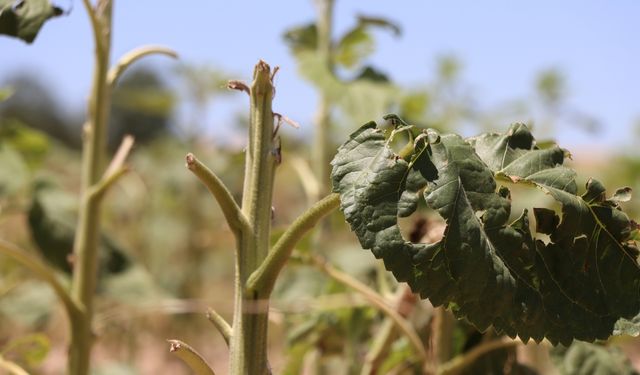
489	271
24	18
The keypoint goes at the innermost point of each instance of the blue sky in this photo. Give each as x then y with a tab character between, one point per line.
502	44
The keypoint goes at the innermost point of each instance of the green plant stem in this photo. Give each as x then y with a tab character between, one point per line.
190	357
129	58
264	278
93	160
248	345
221	325
43	272
232	213
459	363
322	134
377	301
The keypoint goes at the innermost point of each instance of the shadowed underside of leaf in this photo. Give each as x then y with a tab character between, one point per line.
24	18
485	269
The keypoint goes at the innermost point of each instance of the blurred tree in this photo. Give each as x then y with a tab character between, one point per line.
142	105
34	104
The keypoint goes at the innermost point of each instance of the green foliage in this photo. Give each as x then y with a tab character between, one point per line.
24	18
52	228
28	304
142	106
358	43
589	359
574	286
29	350
14	173
5	93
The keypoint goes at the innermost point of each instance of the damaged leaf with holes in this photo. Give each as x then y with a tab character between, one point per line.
486	269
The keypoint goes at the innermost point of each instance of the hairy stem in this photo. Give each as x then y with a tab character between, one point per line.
248	345
221	325
232	213
190	357
264	278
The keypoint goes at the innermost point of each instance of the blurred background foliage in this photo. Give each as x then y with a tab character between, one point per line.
177	247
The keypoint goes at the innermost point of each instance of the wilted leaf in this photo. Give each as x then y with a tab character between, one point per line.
24	18
574	287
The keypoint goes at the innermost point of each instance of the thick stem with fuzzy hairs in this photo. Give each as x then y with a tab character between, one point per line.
248	344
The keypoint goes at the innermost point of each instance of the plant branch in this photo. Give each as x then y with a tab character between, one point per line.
95	25
43	272
12	368
221	325
459	363
117	162
85	247
377	301
387	332
248	346
232	213
99	189
132	56
190	357
322	131
264	278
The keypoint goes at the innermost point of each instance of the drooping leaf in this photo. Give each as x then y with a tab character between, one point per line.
487	270
24	18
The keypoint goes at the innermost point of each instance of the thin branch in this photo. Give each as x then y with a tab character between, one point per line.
95	24
232	212
387	332
43	272
459	363
221	325
264	277
105	183
12	368
377	301
190	357
309	182
132	56
120	156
